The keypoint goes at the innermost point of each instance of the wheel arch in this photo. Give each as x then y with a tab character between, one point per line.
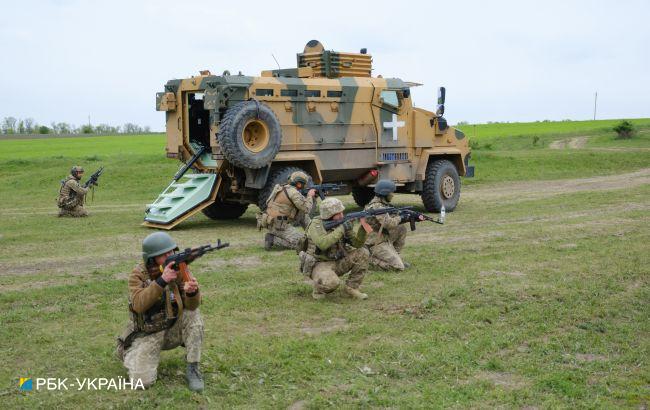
453	155
308	162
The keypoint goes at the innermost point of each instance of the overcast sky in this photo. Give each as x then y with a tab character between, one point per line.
500	60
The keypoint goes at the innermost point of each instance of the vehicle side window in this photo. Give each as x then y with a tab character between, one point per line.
389	97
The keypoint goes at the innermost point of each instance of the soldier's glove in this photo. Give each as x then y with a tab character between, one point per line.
347	226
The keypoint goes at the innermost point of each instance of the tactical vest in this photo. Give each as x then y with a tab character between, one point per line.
280	205
67	197
163	314
379	233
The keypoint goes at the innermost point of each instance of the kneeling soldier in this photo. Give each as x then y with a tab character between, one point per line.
286	207
165	314
389	234
72	194
331	254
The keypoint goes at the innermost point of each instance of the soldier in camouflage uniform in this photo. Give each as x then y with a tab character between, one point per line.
389	233
285	208
332	254
164	315
72	194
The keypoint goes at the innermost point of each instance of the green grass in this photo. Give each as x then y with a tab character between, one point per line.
516	301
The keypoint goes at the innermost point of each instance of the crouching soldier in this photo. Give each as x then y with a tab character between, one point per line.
164	315
72	194
389	233
285	208
331	254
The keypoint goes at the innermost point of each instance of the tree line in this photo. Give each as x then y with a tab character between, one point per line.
12	125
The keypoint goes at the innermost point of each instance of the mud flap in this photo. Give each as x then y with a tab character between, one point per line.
182	199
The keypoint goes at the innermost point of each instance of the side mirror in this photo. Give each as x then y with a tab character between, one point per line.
440	110
406	93
441	95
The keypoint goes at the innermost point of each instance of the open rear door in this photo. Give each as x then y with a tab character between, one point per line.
181	199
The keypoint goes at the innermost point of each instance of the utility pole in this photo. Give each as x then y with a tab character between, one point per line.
595	104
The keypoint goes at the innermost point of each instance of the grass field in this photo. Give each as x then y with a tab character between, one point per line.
533	294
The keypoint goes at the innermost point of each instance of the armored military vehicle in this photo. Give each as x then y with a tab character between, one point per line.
240	135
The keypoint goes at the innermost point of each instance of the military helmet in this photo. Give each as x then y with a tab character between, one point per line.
384	187
156	244
330	207
76	169
298	176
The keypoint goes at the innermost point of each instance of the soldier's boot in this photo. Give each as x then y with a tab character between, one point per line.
317	295
355	293
194	377
268	241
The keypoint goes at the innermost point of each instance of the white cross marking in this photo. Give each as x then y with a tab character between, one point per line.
394	124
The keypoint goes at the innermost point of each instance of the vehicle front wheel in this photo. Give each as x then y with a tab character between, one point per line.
441	186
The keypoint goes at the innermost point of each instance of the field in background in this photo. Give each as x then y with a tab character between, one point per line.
535	293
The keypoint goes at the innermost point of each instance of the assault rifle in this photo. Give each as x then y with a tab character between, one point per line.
94	177
411	216
189	255
331	224
322	189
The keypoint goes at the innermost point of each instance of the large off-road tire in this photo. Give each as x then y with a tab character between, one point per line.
250	134
441	186
362	195
224	210
280	176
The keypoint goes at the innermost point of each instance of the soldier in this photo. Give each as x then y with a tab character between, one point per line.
332	254
164	314
285	208
72	194
389	234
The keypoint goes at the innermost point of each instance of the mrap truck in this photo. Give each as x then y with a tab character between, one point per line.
239	135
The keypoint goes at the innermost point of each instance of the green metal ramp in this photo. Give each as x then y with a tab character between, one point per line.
184	197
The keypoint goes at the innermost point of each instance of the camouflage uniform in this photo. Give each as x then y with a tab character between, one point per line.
71	198
161	320
286	208
387	239
332	254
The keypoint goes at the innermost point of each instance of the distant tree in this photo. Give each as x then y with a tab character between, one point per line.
21	127
29	125
625	130
130	128
9	125
87	129
461	123
43	129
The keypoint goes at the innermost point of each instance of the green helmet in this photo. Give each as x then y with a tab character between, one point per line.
156	244
384	187
298	176
330	207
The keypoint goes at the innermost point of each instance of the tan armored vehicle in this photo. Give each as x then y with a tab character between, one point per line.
241	135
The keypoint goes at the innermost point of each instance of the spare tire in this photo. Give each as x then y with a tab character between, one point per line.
250	134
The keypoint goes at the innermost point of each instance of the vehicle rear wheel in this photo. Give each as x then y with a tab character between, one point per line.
250	134
280	176
362	195
441	186
220	210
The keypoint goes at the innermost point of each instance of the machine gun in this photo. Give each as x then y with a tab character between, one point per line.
331	224
323	189
411	216
189	255
94	177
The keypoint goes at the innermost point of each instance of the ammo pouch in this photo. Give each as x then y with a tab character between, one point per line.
281	222
262	220
307	263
